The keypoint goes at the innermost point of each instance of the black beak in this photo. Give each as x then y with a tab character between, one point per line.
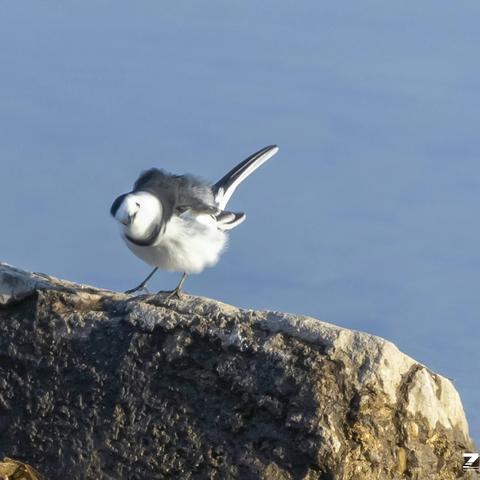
131	218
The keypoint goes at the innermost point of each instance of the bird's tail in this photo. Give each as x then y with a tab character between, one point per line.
225	187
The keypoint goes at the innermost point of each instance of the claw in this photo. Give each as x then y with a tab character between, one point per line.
174	293
137	289
170	294
143	285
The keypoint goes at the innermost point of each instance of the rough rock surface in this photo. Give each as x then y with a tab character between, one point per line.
98	385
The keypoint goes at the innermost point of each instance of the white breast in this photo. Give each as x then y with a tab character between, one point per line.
190	243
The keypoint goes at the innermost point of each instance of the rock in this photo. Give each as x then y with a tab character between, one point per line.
14	470
96	384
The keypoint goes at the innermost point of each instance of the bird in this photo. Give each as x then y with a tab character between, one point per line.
180	223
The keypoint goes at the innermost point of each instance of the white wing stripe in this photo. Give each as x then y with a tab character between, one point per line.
224	197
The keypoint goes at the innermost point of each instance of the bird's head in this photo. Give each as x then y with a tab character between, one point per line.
138	213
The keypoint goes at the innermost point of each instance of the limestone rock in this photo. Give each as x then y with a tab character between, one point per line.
97	384
13	470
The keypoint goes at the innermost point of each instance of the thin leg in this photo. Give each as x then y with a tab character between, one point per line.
142	286
178	289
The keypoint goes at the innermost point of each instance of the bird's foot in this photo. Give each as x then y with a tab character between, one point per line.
176	293
140	288
170	294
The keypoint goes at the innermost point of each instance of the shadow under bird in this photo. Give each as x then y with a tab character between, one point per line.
179	223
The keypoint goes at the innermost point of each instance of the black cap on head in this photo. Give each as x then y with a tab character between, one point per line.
116	204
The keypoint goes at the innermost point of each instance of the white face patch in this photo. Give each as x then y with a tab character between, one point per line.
139	213
127	210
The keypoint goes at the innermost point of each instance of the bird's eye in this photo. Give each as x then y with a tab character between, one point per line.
137	204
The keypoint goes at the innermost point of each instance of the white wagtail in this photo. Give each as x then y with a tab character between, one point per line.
179	222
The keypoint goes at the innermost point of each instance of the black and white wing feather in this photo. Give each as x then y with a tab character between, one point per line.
224	188
179	193
229	220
